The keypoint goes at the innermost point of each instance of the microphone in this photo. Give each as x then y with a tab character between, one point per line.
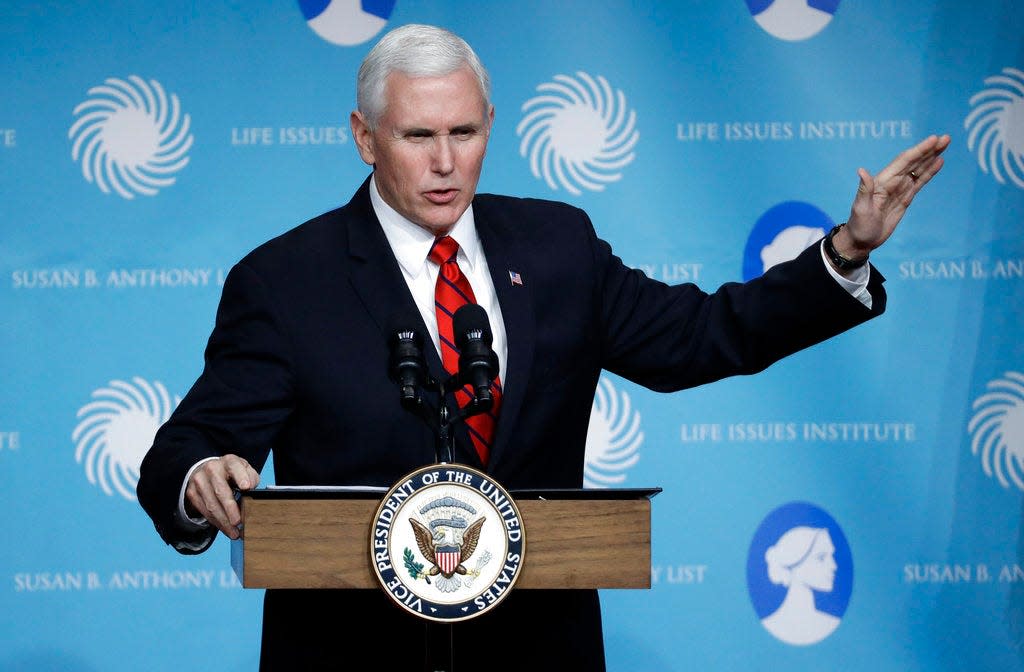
406	365
478	363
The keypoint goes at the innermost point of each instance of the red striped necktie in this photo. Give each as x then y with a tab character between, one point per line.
451	292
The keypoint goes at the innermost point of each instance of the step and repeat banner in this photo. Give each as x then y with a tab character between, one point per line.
857	506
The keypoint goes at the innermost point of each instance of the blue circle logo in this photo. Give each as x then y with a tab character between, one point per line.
793	20
799	573
344	22
782	233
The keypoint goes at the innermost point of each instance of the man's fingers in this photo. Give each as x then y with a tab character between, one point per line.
212	491
865	182
914	163
926	157
240	473
934	165
216	504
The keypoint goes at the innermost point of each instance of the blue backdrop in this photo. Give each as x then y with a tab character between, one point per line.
145	147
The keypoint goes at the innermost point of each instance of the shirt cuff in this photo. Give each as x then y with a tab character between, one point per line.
856	284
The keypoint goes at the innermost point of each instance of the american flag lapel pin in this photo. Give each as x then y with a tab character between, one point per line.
515	278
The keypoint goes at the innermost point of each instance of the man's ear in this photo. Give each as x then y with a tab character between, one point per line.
362	136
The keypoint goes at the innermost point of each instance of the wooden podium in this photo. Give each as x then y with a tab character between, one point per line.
319	538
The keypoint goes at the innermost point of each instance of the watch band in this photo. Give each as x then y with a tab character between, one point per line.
841	262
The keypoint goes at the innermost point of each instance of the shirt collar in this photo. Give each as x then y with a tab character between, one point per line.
411	243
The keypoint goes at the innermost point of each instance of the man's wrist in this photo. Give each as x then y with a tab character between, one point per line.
841	262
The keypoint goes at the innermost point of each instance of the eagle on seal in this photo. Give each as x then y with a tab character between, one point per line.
443	551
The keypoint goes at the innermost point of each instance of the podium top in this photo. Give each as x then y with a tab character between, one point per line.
375	492
584	493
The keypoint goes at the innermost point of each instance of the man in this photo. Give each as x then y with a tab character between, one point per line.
297	361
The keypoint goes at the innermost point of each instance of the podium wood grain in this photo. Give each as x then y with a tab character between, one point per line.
324	543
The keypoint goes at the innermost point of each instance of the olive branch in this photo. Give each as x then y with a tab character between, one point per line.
415	568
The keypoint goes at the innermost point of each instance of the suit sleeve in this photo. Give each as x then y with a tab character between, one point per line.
237	405
671	337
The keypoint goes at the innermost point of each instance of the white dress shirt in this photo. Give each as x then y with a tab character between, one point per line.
411	244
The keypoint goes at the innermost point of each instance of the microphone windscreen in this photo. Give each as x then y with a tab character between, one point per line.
471	318
405	346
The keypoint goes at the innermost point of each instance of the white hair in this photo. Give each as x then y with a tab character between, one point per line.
416	50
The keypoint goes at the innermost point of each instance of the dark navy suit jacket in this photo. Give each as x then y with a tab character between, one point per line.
297	365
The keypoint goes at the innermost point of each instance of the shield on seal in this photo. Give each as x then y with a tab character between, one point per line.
448	558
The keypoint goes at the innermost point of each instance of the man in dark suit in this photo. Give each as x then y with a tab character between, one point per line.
297	361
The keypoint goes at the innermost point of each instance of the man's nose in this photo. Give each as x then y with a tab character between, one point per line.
443	155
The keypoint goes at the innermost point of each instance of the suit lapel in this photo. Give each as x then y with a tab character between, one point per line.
375	275
506	255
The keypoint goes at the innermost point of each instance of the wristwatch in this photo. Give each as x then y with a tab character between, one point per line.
841	262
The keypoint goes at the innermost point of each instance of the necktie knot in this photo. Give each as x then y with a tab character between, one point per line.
443	250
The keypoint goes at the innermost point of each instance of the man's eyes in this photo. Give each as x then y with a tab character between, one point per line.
458	134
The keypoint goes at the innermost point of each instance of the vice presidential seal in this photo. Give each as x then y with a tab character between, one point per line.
447	543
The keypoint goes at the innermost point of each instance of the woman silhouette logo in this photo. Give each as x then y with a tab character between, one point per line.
793	20
799	574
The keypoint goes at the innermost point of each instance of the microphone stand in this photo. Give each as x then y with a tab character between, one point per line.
445	450
441	419
478	367
438	637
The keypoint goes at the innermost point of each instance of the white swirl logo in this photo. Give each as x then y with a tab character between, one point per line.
613	438
996	127
997	429
117	429
578	133
131	137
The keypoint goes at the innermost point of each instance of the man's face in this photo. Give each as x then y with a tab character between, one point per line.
429	146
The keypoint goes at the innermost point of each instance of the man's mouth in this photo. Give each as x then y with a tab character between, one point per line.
442	196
